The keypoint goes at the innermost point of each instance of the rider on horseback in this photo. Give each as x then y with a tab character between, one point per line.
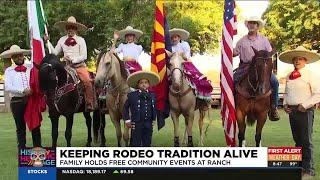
74	49
130	50
244	50
196	79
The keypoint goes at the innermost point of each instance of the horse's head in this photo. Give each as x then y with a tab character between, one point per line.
260	71
49	68
106	68
176	70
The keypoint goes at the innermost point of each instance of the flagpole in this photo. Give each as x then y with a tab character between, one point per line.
45	27
46	32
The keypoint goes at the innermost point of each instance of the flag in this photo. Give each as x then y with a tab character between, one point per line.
228	113
160	41
37	25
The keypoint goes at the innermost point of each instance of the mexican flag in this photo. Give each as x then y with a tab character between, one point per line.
37	27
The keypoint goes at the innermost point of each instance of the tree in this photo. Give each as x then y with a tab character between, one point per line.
293	23
202	19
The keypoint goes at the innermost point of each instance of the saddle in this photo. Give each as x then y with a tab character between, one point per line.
74	84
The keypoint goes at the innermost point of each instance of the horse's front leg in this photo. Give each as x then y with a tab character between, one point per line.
68	132
54	127
200	122
116	122
96	125
88	123
242	128
189	122
175	119
261	119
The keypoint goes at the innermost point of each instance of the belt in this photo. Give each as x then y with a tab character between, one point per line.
18	99
295	107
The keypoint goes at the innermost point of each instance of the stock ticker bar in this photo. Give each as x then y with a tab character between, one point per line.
181	162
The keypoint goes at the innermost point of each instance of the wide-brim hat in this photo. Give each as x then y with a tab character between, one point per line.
300	51
70	21
130	30
184	35
14	49
255	19
135	77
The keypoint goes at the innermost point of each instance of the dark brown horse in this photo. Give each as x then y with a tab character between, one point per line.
253	95
64	97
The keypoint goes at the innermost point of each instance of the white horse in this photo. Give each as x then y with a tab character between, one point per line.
183	101
111	69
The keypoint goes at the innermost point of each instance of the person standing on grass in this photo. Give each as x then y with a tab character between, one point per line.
139	110
302	92
17	84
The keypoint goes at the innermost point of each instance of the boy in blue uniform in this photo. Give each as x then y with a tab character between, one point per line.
139	110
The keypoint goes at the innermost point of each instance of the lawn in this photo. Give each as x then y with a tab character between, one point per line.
274	134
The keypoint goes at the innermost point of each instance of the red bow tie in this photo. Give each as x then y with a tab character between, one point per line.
70	41
20	69
294	75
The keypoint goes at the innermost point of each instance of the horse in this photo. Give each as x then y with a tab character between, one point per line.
252	98
111	69
183	101
63	94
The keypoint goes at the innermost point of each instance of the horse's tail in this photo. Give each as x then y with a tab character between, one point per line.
251	119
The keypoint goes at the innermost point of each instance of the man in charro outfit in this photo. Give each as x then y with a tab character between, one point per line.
74	51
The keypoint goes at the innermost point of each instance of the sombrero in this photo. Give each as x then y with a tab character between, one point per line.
14	49
130	30
135	77
255	19
70	21
184	35
301	52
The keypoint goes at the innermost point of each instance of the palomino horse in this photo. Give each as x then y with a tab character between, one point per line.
111	69
253	95
182	101
63	97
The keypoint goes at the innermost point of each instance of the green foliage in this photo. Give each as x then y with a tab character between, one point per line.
293	23
201	19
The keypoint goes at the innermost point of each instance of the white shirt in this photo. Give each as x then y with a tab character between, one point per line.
304	90
182	47
78	52
129	50
16	82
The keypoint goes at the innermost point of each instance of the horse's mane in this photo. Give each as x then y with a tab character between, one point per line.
123	70
44	72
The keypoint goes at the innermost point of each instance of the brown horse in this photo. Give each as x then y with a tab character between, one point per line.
111	69
182	101
253	95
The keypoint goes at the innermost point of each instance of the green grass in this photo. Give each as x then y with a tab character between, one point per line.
274	134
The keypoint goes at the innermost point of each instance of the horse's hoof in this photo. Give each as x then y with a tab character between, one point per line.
103	145
176	142
190	144
88	144
68	145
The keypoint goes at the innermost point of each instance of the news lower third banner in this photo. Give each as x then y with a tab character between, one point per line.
61	162
162	157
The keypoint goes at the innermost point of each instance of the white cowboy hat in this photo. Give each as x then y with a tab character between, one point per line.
14	49
130	30
255	19
70	21
300	51
184	35
135	77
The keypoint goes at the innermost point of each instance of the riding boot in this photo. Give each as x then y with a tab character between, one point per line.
273	112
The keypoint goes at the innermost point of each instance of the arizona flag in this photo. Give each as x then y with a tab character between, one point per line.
160	42
37	24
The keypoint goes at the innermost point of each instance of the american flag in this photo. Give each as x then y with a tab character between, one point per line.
228	113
